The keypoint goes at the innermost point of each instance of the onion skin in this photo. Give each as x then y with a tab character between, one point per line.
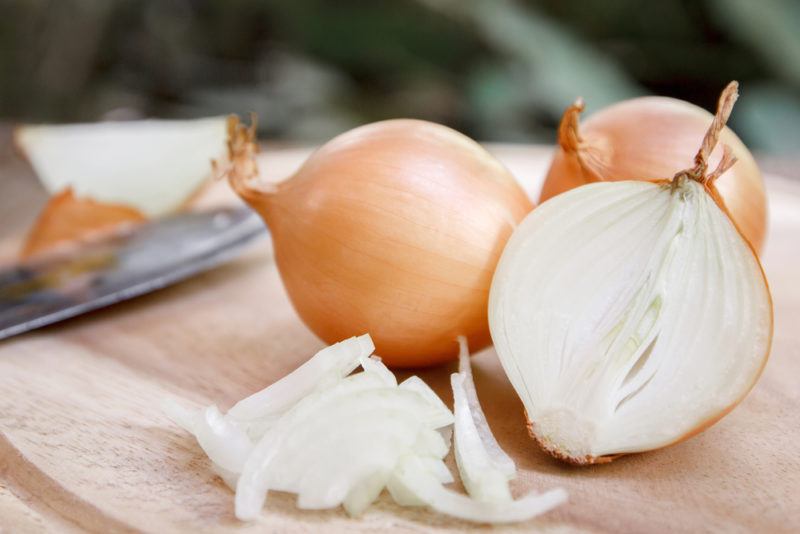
650	138
67	219
394	228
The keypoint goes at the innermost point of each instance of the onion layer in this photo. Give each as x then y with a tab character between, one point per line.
650	138
392	228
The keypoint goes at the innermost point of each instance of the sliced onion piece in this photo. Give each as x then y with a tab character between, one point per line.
413	484
225	444
375	366
501	461
482	480
440	415
328	443
325	368
365	492
153	166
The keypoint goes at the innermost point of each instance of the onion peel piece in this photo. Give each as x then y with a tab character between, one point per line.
67	219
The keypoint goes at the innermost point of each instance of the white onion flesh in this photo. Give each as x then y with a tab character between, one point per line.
500	460
481	478
152	165
327	366
338	440
627	316
412	484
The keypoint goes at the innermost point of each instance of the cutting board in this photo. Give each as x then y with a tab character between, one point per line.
85	446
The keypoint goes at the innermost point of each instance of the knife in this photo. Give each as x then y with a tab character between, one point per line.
150	257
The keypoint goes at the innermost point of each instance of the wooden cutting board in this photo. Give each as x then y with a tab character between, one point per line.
84	445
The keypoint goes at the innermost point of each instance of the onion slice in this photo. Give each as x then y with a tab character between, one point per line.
328	365
413	484
501	461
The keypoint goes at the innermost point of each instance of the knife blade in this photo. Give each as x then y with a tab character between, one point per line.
150	257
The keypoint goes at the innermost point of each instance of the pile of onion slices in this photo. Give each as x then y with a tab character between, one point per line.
335	438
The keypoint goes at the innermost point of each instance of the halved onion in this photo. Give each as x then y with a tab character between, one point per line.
629	316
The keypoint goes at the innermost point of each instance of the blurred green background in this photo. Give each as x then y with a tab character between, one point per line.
499	70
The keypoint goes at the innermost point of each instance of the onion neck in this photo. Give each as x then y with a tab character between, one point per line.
241	169
569	136
591	157
699	172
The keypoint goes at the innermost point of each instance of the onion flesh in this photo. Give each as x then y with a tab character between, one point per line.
628	316
327	366
153	166
501	461
412	483
340	440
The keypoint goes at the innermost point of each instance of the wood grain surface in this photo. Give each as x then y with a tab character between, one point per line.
84	445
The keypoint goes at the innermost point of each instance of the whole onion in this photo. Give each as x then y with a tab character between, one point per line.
393	228
648	139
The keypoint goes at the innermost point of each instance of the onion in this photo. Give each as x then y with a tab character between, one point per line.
153	166
340	440
393	228
650	138
631	315
106	176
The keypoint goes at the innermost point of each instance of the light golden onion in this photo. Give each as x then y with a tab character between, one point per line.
648	139
393	228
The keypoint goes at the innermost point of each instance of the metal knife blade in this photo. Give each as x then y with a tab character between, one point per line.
150	257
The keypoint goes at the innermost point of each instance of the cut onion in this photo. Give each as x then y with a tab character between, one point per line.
329	364
481	478
629	316
413	484
498	457
153	166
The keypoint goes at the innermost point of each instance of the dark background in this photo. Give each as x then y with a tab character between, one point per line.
499	70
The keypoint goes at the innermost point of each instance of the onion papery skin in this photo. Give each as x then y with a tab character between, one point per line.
393	228
649	138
